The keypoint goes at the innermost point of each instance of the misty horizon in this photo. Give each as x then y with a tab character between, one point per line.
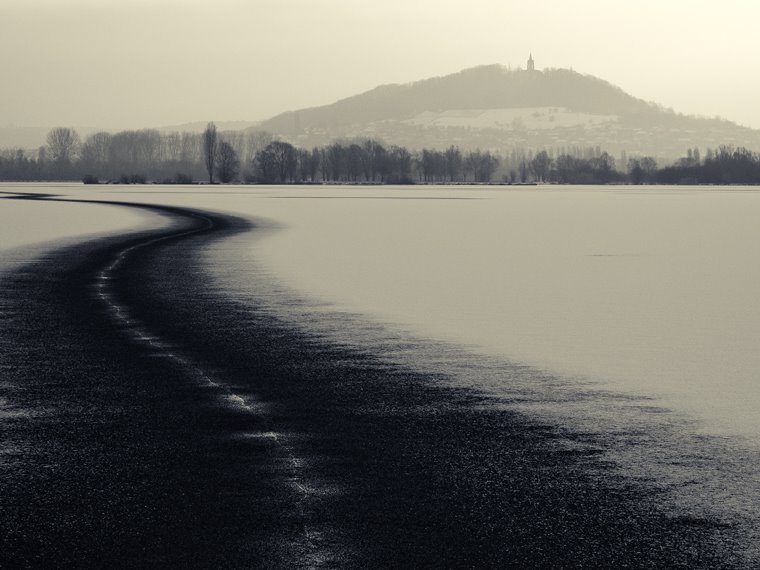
238	123
249	61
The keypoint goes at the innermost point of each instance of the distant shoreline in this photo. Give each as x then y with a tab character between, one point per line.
380	184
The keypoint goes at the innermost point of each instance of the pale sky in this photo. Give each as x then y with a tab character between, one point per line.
147	63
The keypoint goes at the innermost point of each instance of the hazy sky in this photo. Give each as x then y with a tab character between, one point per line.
140	63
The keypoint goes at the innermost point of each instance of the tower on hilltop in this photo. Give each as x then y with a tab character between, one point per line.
531	64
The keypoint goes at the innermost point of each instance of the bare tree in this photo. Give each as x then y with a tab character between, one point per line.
303	157
237	140
191	147
210	149
227	163
355	159
398	167
171	147
453	158
285	160
643	169
94	153
100	143
541	165
374	154
277	163
148	147
334	157
314	163
63	144
256	141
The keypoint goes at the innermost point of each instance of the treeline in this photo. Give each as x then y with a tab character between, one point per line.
126	156
252	157
726	165
365	161
257	157
368	161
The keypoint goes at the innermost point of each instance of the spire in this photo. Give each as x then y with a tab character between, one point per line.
531	64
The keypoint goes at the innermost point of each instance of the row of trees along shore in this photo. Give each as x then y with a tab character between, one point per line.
258	157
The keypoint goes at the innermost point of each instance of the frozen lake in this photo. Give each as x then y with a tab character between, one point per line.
651	291
629	313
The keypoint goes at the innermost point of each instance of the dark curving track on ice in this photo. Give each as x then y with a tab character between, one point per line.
150	420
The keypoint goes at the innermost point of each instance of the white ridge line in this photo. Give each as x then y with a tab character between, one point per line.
138	332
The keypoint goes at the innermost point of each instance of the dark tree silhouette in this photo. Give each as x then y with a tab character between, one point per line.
453	163
483	165
541	165
285	160
315	159
334	158
277	162
642	170
398	168
227	163
604	166
210	149
355	159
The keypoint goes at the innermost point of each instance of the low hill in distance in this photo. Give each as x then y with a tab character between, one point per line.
501	109
488	107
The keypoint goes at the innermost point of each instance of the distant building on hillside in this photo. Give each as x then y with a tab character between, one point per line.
531	65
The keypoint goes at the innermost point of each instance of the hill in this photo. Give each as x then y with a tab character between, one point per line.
498	108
